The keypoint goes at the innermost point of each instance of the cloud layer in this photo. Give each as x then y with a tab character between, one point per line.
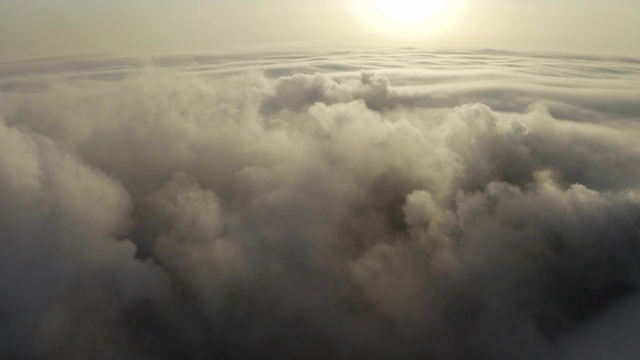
446	206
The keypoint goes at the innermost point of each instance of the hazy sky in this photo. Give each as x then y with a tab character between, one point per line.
34	28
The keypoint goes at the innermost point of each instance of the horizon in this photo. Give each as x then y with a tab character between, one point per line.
38	28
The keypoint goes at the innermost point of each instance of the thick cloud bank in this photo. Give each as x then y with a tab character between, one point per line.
469	205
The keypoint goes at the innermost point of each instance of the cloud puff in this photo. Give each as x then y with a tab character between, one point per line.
163	213
60	222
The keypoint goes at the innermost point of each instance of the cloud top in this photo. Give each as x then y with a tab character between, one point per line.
298	207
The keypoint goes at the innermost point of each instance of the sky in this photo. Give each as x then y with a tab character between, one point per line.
39	28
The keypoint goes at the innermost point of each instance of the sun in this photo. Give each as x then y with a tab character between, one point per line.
409	19
409	11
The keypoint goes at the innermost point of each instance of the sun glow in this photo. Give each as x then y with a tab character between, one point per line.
409	19
409	11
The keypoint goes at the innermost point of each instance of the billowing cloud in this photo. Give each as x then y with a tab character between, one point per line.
198	207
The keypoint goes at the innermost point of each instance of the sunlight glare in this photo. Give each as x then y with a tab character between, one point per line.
409	19
409	11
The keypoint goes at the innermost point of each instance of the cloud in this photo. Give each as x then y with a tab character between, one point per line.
60	222
163	212
300	91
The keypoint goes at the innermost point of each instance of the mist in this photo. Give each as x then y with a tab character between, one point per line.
398	203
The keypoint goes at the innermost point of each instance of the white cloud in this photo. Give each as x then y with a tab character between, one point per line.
328	213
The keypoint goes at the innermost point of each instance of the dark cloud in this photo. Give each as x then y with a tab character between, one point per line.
196	208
